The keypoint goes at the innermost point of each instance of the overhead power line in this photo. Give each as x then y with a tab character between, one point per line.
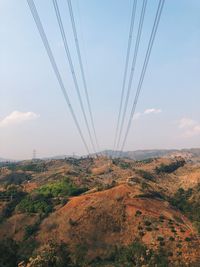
82	69
62	31
136	49
126	67
43	36
144	68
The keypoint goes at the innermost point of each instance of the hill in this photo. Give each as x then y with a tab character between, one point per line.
101	212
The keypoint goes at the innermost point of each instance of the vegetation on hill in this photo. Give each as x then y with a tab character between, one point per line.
146	175
41	199
60	188
169	168
8	252
189	205
92	229
15	194
30	167
15	178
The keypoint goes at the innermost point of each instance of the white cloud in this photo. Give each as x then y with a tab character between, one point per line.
17	117
191	127
152	111
187	122
146	112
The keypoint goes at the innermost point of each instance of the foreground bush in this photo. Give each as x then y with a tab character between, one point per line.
51	255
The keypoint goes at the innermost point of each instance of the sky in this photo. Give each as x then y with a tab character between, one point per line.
33	112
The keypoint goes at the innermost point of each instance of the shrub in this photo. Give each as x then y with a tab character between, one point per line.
39	205
189	206
51	254
162	243
173	230
160	238
141	233
179	246
134	255
170	254
138	213
15	178
8	252
171	222
147	223
188	239
60	188
72	222
170	167
34	167
146	175
10	207
161	218
29	230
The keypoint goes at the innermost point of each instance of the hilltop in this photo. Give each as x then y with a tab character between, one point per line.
102	211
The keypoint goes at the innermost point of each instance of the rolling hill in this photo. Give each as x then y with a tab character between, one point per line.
101	212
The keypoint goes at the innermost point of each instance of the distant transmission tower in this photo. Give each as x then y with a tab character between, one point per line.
34	154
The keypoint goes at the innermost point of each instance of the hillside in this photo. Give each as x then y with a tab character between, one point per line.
101	212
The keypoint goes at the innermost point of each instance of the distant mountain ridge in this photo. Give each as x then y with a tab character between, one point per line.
187	153
154	153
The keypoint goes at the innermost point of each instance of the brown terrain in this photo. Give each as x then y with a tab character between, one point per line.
126	201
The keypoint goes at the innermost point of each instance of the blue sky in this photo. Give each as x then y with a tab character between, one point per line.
33	113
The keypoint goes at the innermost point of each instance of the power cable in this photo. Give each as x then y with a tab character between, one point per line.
137	44
126	67
146	61
62	31
43	36
82	69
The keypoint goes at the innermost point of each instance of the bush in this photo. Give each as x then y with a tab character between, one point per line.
122	164
8	252
51	255
146	175
29	230
136	254
33	167
60	188
160	238
188	239
39	205
147	223
161	218
15	178
10	207
138	213
189	206
162	243
170	167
